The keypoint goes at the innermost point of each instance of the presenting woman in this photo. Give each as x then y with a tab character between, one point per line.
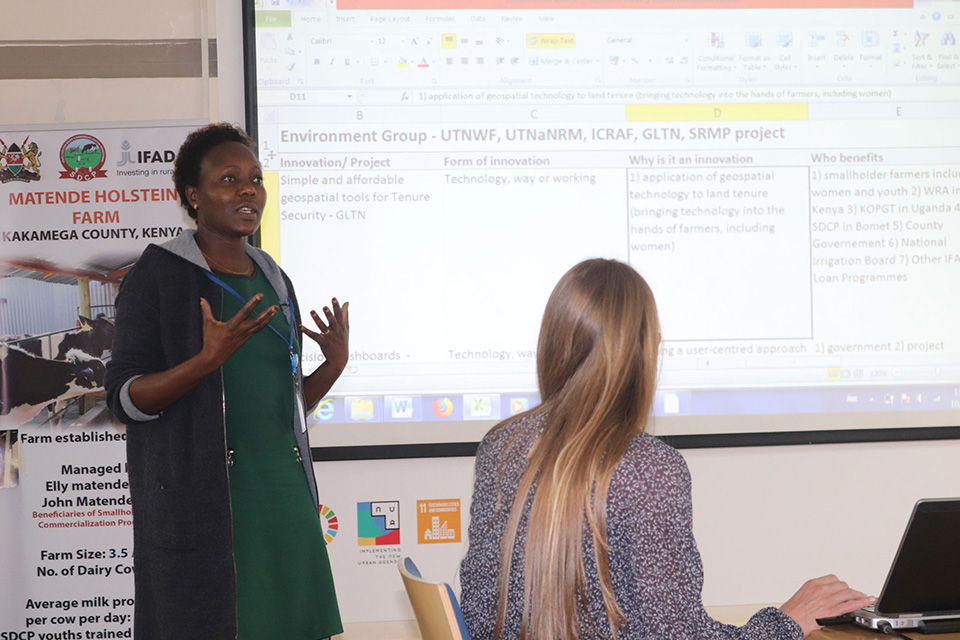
581	524
206	371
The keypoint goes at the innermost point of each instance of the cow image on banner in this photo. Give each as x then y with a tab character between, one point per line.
29	382
9	459
95	337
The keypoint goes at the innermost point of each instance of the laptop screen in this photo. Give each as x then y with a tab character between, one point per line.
924	577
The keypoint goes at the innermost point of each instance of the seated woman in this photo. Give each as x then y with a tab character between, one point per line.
581	523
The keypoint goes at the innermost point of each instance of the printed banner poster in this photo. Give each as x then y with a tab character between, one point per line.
78	209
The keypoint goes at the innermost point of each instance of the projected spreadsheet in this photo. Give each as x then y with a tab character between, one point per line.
788	182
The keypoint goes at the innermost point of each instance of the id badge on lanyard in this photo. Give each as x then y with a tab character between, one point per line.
298	395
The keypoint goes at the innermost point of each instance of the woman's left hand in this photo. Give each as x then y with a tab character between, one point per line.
334	335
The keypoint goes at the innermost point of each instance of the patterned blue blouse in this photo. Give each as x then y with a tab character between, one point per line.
654	563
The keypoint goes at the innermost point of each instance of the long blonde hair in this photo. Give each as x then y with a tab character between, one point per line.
596	367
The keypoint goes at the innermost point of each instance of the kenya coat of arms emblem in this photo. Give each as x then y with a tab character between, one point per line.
20	162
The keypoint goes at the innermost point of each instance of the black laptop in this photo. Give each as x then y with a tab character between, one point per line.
922	590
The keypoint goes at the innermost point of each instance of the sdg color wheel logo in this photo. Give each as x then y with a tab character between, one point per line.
330	523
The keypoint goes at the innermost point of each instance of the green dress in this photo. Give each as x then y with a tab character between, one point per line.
284	584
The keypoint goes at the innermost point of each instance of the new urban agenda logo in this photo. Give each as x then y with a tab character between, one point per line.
378	523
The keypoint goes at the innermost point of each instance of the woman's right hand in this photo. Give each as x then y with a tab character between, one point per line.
222	339
155	392
823	597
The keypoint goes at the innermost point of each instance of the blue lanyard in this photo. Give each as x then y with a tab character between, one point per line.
294	359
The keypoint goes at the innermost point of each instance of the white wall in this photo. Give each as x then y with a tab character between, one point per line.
28	103
766	519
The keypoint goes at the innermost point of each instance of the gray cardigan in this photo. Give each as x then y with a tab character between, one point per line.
654	563
184	573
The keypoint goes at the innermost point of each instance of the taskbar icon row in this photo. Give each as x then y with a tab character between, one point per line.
421	408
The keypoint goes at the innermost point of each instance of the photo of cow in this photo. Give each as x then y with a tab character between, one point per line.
56	335
9	459
31	383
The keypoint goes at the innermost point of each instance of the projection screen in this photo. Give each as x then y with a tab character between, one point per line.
785	174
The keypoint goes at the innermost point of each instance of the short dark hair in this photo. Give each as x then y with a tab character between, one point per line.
186	167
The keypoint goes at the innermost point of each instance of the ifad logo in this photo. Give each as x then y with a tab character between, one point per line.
20	162
378	523
438	521
329	522
82	157
144	156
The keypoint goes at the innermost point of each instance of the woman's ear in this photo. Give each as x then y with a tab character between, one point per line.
191	193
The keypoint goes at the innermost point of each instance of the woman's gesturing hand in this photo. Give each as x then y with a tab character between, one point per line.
222	339
155	392
823	597
334	335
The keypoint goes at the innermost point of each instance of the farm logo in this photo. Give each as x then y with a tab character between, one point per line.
82	157
19	162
